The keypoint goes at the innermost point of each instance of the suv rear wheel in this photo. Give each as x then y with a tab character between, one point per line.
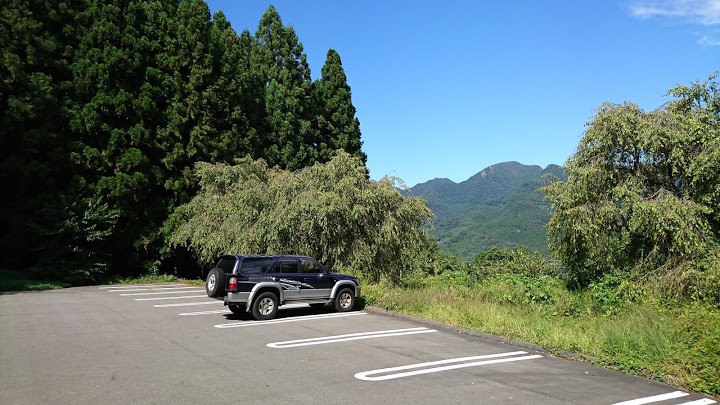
265	306
215	283
345	300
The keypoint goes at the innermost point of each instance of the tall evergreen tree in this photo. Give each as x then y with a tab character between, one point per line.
189	118
282	65
239	103
120	94
335	124
38	38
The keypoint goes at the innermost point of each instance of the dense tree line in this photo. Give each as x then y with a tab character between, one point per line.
106	105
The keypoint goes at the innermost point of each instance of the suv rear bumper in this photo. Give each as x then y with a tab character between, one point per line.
237	298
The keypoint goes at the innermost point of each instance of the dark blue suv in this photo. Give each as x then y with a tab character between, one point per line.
259	284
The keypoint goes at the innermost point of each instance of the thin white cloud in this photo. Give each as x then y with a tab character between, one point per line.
705	12
706	40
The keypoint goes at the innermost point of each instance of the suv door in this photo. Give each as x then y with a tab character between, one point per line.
314	274
286	272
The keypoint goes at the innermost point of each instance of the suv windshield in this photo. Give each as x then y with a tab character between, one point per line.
255	265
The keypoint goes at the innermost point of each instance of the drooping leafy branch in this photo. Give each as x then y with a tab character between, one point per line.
330	211
643	189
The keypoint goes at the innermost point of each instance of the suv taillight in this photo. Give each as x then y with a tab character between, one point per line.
232	285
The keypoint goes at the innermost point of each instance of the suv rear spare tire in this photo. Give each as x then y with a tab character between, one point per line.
215	283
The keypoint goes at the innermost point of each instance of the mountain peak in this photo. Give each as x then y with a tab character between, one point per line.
496	207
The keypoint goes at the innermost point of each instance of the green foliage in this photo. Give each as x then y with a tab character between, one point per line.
14	280
281	63
522	289
37	40
115	101
515	261
642	191
335	124
611	293
80	231
639	342
329	211
696	346
695	281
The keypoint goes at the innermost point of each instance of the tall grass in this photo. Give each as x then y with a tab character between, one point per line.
670	345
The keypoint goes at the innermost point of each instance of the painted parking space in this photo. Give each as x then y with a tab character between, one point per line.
171	298
183	296
115	290
227	311
349	337
288	320
130	286
164	291
664	398
156	289
196	313
188	304
454	364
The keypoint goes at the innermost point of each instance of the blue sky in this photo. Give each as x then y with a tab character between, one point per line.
444	89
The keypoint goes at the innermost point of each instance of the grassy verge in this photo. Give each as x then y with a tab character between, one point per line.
18	281
11	280
154	279
679	346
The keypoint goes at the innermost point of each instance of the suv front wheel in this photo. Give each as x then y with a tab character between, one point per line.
345	300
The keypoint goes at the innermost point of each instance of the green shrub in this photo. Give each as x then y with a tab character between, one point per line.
515	261
696	281
611	293
696	356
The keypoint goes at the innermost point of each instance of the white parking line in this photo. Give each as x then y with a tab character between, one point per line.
151	289
219	311
704	401
348	337
654	398
294	319
186	304
129	289
365	375
138	286
286	306
171	298
175	291
227	311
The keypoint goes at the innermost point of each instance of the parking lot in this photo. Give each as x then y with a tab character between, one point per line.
169	343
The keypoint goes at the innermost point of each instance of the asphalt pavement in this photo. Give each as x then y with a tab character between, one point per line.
170	344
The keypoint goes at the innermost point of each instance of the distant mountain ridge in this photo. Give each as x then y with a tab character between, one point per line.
498	207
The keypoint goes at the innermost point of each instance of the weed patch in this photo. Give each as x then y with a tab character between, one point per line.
679	346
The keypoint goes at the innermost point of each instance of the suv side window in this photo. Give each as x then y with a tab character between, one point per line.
227	264
287	266
255	265
311	267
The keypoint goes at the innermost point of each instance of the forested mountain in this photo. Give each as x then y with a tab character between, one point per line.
498	207
106	106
